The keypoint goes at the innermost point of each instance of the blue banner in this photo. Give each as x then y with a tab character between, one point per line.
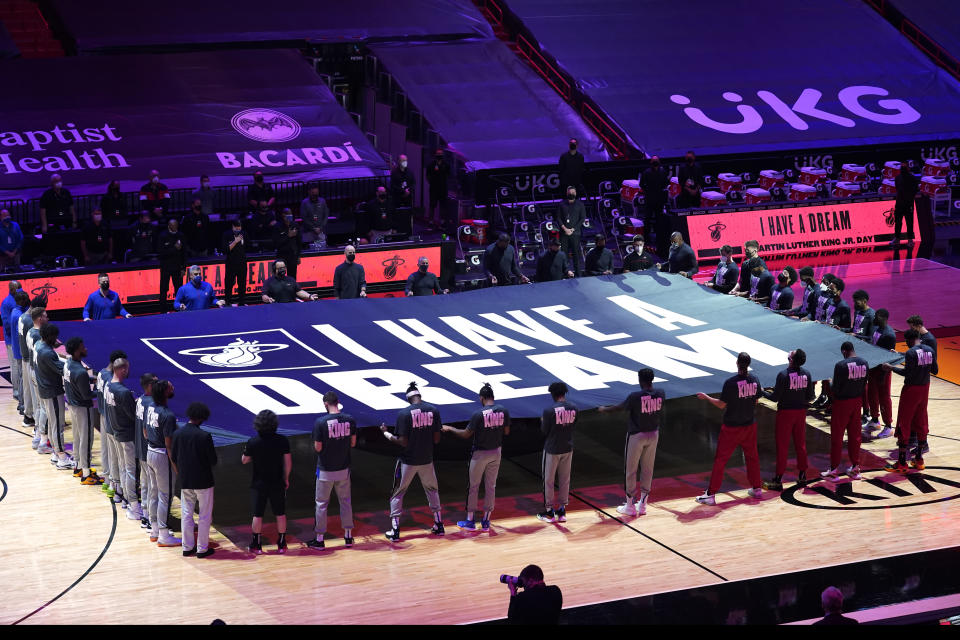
592	333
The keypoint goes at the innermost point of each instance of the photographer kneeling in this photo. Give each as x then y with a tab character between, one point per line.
537	603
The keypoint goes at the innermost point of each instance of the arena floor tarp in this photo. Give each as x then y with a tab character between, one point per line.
224	114
592	333
487	104
102	25
747	76
937	19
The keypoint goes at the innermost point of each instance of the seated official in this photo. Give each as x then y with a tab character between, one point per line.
104	304
423	283
599	261
537	603
639	259
196	294
282	288
553	264
682	259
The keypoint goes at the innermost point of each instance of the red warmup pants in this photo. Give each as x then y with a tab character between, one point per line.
845	418
912	413
791	423
730	438
878	392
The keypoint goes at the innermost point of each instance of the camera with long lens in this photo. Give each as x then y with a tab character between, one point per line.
514	580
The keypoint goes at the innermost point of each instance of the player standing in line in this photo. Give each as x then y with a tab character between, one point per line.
109	458
334	435
487	426
194	456
927	338
878	380
557	424
121	413
418	429
919	362
159	426
270	454
140	442
793	392
849	382
31	333
50	386
643	433
76	383
738	399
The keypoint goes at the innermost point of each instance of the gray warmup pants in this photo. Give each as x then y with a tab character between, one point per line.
403	476
16	380
201	501
29	399
108	444
161	483
338	481
641	448
556	466
484	465
82	428
128	470
39	414
56	422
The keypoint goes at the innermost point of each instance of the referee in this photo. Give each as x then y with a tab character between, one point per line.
418	429
334	435
487	426
557	424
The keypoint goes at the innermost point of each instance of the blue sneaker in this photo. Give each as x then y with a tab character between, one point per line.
484	525
467	524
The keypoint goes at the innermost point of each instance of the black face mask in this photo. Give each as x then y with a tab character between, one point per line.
351	257
381	197
105	286
282	273
655	165
423	268
573	147
237	232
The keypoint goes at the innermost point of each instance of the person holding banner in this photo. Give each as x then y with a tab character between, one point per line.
487	426
104	304
725	278
500	263
196	294
682	260
751	250
849	383
282	288
557	424
418	429
349	278
919	362
422	282
878	380
793	392
552	265
638	259
739	428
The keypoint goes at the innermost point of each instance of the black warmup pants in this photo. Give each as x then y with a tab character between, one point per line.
236	274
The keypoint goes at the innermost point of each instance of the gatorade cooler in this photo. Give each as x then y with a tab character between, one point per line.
891	169
812	175
712	199
853	173
888	186
629	190
479	235
937	168
674	189
757	196
845	189
933	185
800	192
729	181
769	179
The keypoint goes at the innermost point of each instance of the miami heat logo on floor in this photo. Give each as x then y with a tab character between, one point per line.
239	353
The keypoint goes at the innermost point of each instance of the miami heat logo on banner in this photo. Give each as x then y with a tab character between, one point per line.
240	353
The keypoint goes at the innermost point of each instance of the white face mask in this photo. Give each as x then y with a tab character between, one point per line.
57	185
403	165
155	179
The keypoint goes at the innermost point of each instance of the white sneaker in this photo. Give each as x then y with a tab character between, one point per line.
641	508
35	442
65	463
872	425
854	472
756	492
707	499
830	473
627	509
167	540
44	448
885	433
134	512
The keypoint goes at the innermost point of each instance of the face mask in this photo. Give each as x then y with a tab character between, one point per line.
573	147
571	197
105	286
205	184
351	257
154	179
655	165
381	196
403	165
289	219
197	280
197	208
6	222
237	232
258	179
674	246
97	218
57	185
282	273
423	268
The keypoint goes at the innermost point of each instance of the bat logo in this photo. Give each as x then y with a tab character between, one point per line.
265	125
46	289
715	230
239	353
889	216
390	266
